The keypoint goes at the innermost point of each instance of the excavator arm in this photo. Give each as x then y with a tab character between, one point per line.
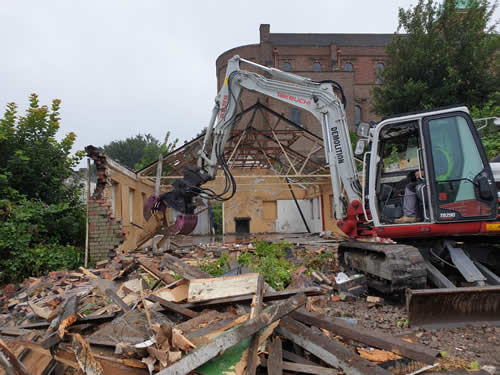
318	98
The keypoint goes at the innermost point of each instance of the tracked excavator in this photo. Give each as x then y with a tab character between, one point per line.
451	240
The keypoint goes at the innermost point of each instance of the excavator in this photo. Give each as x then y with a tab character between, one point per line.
451	240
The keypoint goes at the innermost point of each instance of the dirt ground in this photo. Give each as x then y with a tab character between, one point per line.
470	344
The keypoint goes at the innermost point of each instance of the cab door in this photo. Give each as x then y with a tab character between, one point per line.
461	181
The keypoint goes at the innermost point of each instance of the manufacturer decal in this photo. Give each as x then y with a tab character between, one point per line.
294	98
447	215
224	107
337	145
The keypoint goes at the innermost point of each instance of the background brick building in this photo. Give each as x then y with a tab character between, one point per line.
350	59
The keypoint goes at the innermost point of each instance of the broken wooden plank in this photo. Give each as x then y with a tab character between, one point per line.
123	306
302	368
296	358
68	315
110	365
151	267
25	327
188	272
381	340
9	362
177	294
14	331
221	287
203	318
42	312
268	297
220	327
172	306
85	357
329	351
235	359
124	272
89	274
275	359
257	305
227	340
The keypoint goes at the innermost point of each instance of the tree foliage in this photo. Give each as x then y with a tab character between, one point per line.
440	56
34	163
139	151
489	133
42	219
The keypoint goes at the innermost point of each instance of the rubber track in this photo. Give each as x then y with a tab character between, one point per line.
389	267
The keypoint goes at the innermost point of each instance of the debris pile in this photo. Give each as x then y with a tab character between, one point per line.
139	314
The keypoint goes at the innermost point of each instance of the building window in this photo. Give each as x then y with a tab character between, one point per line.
379	68
115	194
316	67
270	210
287	67
131	205
296	115
357	115
348	67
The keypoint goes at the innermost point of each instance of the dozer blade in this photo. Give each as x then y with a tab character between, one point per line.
453	307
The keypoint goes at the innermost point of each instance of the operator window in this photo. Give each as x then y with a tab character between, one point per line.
399	149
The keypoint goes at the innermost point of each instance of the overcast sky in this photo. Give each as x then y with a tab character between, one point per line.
127	67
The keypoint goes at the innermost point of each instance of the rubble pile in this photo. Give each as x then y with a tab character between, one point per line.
145	314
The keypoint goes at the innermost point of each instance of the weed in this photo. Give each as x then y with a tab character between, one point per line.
269	260
217	267
402	323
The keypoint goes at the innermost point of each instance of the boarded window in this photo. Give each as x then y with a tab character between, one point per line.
316	67
270	210
287	67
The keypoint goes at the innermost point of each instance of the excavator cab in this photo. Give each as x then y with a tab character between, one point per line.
436	155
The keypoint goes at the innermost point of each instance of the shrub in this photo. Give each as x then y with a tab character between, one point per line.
36	238
269	260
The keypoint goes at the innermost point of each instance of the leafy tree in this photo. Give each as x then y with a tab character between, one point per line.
42	219
129	151
444	56
33	163
139	151
490	133
154	149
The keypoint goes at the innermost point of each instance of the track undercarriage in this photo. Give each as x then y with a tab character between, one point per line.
472	298
390	268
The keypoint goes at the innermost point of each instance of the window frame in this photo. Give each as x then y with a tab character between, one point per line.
348	63
318	64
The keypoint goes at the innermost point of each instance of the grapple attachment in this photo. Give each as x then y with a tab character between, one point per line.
184	224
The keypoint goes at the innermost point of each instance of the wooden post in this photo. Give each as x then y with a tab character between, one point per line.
87	216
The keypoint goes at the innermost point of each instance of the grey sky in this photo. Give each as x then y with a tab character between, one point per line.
127	67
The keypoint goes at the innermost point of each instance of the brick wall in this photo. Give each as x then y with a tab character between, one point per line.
105	233
357	85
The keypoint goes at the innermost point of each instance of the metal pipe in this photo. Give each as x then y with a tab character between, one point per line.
298	207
